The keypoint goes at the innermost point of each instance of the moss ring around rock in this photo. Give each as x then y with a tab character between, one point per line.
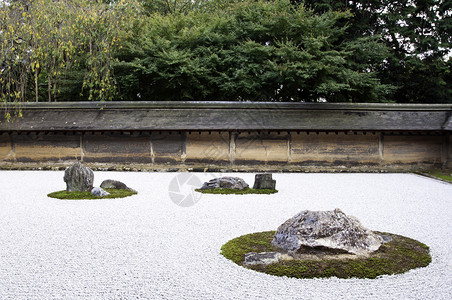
397	256
114	193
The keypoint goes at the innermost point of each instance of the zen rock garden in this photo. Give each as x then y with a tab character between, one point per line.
317	243
324	244
310	244
147	239
79	181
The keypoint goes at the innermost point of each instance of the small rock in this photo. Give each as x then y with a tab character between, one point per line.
264	181
78	178
264	258
113	184
226	183
99	192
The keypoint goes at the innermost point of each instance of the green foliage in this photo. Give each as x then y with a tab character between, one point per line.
174	7
417	34
398	256
249	50
45	44
421	80
231	50
445	175
114	193
236	249
236	191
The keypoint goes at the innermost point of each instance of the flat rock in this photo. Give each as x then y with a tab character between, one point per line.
226	183
114	184
264	258
332	230
99	192
78	178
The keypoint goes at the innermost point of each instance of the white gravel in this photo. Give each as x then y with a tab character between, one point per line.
147	247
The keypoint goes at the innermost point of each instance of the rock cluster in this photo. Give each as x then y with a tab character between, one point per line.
225	183
78	178
264	181
326	229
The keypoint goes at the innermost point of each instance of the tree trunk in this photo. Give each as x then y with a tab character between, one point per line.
49	88
36	85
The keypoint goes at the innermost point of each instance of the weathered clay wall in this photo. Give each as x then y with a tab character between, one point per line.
291	151
229	136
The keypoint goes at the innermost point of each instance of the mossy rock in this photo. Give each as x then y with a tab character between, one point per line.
114	193
394	257
247	191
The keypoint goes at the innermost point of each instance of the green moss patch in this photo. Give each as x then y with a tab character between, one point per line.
236	191
445	175
398	256
114	193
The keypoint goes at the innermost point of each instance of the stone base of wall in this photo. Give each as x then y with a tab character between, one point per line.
229	151
216	168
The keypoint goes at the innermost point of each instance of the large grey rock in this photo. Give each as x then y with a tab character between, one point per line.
78	178
264	181
330	229
226	183
99	192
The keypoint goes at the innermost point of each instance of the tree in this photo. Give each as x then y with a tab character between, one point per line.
45	42
417	34
273	50
13	58
250	50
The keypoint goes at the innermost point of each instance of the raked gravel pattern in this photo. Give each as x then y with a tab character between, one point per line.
147	247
